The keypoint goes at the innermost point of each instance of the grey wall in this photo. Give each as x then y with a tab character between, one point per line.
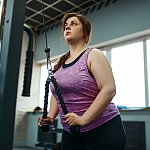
118	19
122	18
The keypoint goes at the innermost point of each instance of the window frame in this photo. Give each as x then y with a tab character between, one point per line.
133	39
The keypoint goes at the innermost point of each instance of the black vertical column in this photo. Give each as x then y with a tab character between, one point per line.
9	69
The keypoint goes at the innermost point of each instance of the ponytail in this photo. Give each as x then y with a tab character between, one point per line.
61	61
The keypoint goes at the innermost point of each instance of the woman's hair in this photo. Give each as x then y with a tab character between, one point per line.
86	26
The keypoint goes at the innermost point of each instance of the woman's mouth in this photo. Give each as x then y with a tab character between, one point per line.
68	33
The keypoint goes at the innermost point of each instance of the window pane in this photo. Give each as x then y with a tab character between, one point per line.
148	64
128	69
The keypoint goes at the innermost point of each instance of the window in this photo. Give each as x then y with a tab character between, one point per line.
128	69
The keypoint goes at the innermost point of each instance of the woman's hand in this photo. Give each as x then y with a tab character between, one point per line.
42	121
74	119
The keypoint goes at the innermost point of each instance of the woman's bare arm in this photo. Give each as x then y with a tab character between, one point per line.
102	72
53	110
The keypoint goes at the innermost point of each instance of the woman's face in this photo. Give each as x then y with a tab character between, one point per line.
73	31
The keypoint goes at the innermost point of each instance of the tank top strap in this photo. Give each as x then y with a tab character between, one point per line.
83	60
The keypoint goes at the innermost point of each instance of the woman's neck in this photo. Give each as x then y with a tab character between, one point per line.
75	51
77	48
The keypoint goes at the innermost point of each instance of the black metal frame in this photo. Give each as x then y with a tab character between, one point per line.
9	69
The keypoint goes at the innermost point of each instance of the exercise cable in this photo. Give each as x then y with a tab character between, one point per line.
75	129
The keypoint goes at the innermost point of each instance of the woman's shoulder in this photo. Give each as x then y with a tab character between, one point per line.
95	52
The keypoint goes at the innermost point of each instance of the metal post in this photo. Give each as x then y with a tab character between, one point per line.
9	69
146	73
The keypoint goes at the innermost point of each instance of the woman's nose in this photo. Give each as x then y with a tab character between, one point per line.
67	27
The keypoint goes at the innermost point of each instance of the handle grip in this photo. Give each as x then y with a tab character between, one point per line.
45	128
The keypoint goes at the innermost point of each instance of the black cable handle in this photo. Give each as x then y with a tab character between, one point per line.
46	127
75	129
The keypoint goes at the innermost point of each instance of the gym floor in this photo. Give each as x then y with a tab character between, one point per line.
23	148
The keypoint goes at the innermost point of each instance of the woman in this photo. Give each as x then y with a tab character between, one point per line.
87	85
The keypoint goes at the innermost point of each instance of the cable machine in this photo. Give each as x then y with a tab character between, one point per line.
75	129
9	68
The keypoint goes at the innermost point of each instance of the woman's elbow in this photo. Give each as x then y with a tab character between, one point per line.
111	91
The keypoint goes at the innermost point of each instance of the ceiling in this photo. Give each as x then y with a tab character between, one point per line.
55	9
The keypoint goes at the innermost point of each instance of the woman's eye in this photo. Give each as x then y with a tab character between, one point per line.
71	24
74	24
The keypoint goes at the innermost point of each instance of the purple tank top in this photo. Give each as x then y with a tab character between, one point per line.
79	89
